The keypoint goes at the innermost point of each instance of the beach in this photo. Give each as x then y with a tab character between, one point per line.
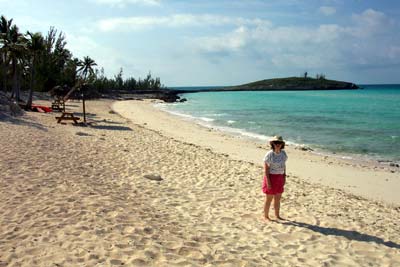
140	187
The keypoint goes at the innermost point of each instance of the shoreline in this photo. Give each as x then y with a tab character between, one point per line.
362	178
365	160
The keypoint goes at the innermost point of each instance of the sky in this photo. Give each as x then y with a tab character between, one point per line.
225	42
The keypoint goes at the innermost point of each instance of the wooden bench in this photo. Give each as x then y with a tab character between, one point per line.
58	104
67	116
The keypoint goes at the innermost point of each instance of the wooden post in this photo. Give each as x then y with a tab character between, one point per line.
84	110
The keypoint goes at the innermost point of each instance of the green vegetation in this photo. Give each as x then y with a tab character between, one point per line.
296	83
34	62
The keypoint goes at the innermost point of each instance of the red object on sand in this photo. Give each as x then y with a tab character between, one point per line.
42	109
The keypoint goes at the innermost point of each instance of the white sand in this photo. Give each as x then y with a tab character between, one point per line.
77	196
363	178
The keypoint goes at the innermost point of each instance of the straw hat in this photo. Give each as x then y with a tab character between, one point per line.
276	138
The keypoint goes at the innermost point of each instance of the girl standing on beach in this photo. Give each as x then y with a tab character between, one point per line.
274	175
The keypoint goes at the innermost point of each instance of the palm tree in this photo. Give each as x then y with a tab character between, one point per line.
86	67
14	45
35	47
5	27
17	52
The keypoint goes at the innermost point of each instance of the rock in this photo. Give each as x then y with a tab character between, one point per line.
154	177
15	109
183	100
304	148
82	134
8	107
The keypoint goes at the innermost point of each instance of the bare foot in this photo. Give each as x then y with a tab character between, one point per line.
280	218
267	219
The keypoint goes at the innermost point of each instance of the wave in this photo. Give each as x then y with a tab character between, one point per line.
252	128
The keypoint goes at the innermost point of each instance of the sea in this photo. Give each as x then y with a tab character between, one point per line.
355	124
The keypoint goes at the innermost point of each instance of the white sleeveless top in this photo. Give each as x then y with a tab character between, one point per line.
276	162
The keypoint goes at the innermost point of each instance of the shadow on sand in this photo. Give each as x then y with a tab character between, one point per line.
351	235
105	121
94	122
111	127
23	121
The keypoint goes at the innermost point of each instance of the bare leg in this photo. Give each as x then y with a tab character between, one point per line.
277	205
267	205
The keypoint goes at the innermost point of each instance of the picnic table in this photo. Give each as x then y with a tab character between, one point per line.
58	104
68	116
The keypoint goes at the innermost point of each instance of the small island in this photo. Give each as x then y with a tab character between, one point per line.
295	83
285	84
278	84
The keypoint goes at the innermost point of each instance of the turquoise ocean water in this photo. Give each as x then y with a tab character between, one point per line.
361	123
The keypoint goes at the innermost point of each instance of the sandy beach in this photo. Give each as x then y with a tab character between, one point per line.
139	187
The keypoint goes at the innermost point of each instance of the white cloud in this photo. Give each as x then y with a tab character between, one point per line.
298	60
327	10
328	32
370	17
177	20
229	42
123	3
262	36
324	47
82	46
368	23
29	23
365	41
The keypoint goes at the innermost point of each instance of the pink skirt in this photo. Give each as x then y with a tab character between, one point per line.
277	183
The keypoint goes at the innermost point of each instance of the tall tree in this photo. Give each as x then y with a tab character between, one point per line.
69	74
5	27
86	67
15	44
53	61
35	48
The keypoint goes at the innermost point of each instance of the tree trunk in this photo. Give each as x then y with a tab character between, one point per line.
84	108
15	80
4	66
32	85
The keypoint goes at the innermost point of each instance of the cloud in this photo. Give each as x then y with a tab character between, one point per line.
366	41
224	44
82	46
370	17
327	10
123	3
267	37
284	60
368	23
177	20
